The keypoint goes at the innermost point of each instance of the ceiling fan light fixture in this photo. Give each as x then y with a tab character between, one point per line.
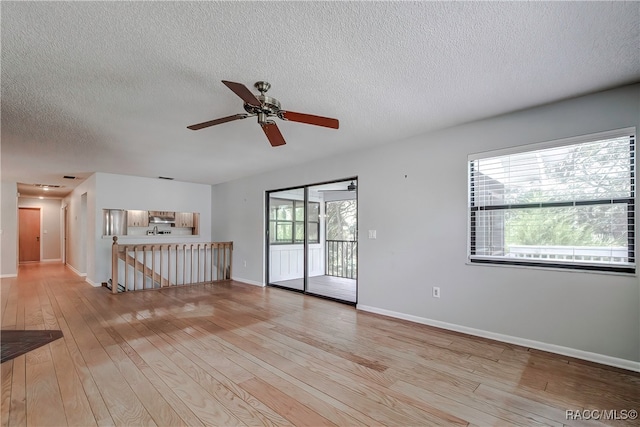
264	107
48	186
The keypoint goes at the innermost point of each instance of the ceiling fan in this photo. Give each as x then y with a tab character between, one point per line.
264	107
350	187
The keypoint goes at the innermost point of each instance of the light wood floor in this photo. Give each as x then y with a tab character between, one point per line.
329	286
234	354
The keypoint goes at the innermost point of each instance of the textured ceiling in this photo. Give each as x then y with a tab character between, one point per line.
111	86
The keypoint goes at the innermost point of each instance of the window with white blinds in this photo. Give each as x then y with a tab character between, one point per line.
561	204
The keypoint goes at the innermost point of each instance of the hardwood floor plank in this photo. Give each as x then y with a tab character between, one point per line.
49	319
9	303
124	406
326	405
364	372
288	407
219	352
32	310
42	390
322	403
380	406
248	409
526	407
312	364
236	354
204	405
91	392
453	406
76	404
5	291
153	401
18	405
6	370
240	409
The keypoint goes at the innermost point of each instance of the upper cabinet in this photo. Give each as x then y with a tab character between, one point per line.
137	218
120	222
184	219
188	220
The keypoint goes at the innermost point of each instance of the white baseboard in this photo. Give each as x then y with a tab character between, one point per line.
6	276
247	281
70	267
95	285
552	348
51	260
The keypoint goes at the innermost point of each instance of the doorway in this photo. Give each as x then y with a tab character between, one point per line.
29	235
66	235
311	239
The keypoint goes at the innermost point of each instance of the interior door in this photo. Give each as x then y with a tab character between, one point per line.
29	234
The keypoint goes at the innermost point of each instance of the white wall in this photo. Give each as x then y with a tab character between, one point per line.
9	229
109	191
50	228
414	193
80	248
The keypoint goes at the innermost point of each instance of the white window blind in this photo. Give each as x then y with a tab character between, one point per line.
568	204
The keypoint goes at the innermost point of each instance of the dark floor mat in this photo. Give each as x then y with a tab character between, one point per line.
16	343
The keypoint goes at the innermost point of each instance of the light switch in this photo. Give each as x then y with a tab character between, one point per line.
372	234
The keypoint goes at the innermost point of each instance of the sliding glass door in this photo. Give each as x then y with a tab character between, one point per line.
312	239
333	264
285	238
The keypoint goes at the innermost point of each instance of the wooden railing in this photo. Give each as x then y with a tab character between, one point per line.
154	266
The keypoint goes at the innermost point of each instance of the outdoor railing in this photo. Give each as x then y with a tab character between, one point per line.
154	266
573	253
340	258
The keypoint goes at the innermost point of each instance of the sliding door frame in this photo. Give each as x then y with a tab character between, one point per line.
305	257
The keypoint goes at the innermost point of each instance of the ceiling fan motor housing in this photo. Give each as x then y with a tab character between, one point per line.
268	106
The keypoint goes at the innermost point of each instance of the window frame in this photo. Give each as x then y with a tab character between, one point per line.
295	224
627	268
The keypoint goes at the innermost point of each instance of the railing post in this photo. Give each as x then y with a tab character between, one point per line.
230	260
114	265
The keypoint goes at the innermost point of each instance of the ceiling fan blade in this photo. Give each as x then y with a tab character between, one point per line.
217	121
310	119
273	133
243	92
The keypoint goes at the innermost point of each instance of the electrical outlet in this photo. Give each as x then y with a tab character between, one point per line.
436	292
245	262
